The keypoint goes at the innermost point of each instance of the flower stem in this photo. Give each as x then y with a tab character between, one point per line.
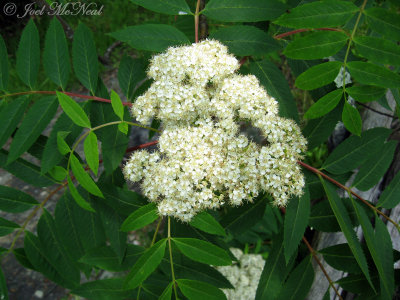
170	258
196	22
155	233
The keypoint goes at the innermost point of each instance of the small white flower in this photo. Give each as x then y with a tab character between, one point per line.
243	275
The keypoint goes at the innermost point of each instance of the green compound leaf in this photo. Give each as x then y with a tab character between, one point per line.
3	65
84	178
11	115
384	21
328	13
73	110
276	85
140	218
123	127
384	258
167	293
78	198
206	222
54	249
299	282
318	130
318	76
51	156
316	45
91	232
351	119
151	37
146	264
239	219
130	73
296	220
26	171
58	173
189	269
370	74
113	141
390	196
104	257
274	272
378	50
356	284
323	219
112	221
373	170
380	246
116	104
341	258
56	55
3	286
84	57
355	150
28	55
244	10
104	289
61	144
202	251
324	105
35	121
347	228
6	227
245	40
67	227
169	7
91	150
15	201
365	93
38	258
198	290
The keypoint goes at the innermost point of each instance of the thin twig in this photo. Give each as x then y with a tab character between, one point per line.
285	34
243	60
376	111
32	214
316	171
312	251
141	146
314	254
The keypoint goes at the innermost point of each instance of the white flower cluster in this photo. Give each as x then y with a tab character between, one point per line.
243	275
203	161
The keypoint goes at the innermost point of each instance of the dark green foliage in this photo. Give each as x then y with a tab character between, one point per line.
244	10
246	40
84	57
151	37
28	55
3	65
296	50
56	54
34	122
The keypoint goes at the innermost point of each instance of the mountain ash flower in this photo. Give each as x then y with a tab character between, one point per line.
243	275
203	160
